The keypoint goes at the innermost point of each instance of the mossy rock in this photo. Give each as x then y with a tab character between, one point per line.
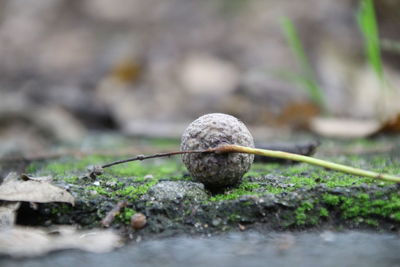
273	196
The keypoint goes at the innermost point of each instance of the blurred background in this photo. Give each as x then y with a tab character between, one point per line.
148	68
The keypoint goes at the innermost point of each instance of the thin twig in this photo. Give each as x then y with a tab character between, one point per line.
96	170
106	222
159	155
74	153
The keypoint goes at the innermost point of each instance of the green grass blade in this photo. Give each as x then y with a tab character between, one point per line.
366	19
307	80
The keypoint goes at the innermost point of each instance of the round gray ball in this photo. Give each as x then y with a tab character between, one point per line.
209	131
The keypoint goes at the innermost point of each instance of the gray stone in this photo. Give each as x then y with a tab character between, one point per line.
171	191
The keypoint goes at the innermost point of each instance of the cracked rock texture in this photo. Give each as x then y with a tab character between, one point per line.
212	130
177	190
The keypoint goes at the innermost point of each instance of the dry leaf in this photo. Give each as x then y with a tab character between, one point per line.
353	128
29	242
15	189
391	126
344	128
8	213
26	177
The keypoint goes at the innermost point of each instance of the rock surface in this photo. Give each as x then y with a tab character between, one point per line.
177	191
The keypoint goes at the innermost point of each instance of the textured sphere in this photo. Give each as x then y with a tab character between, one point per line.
212	130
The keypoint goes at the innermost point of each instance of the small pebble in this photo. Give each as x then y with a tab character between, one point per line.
216	221
111	183
148	176
138	221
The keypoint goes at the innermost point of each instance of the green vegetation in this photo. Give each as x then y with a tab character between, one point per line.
367	22
158	169
331	200
323	212
258	169
301	212
126	214
307	79
72	168
360	208
129	190
245	188
365	206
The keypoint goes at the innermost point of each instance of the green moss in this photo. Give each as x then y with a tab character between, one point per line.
276	190
122	191
258	169
67	167
161	169
330	199
72	179
372	222
99	190
233	217
323	212
301	213
246	188
310	176
366	206
303	182
126	214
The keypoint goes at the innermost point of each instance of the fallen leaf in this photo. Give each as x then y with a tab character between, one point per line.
391	126
26	177
15	189
344	128
8	213
30	242
353	128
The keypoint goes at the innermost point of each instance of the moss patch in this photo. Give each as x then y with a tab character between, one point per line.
365	206
304	215
126	214
245	188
